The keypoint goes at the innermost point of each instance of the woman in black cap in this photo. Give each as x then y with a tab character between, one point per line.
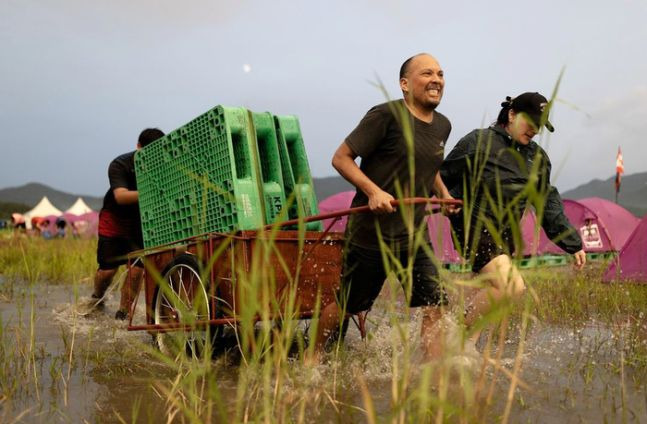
498	171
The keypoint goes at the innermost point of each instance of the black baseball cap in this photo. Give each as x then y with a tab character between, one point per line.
533	105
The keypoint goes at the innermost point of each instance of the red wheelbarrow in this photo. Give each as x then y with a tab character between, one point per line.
200	284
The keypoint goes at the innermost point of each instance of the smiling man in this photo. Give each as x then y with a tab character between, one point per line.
401	146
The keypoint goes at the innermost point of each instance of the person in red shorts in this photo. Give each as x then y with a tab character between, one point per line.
120	227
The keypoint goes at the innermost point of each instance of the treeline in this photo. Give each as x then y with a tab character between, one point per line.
7	208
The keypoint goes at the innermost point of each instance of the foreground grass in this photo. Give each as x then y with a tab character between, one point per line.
380	380
27	260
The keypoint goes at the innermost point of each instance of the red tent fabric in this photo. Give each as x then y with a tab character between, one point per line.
87	225
619	222
440	234
603	225
335	203
536	244
437	225
631	263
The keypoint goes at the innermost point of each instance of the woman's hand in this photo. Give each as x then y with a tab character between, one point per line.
580	259
449	209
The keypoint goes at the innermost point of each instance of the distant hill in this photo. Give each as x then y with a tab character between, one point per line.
30	194
633	192
7	208
632	196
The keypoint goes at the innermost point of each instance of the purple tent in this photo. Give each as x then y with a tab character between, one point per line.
536	244
440	234
603	225
87	224
631	263
619	222
336	202
437	224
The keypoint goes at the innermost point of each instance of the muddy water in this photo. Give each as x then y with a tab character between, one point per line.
574	373
102	379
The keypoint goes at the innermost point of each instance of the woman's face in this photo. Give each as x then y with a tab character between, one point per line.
520	127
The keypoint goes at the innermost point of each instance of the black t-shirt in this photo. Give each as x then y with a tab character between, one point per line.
120	220
385	159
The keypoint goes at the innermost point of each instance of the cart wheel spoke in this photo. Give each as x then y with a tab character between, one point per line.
184	301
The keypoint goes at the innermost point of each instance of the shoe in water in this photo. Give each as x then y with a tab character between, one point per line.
121	315
469	349
86	306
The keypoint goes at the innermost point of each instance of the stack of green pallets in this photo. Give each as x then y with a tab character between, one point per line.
222	172
296	171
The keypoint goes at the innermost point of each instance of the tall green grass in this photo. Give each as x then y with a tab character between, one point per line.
33	259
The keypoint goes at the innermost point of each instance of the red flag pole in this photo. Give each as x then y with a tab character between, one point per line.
617	185
620	169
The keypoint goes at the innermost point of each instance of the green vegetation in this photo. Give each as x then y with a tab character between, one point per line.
29	260
7	208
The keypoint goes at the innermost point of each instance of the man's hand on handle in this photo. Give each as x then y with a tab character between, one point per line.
380	202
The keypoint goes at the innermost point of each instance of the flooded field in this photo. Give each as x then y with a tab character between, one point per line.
575	353
61	367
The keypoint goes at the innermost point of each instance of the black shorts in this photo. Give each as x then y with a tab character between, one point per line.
482	246
364	272
112	251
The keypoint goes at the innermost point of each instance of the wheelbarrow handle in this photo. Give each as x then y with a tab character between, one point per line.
365	209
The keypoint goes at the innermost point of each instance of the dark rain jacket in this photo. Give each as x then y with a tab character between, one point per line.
497	178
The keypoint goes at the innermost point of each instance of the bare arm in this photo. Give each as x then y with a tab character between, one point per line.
123	196
441	192
343	161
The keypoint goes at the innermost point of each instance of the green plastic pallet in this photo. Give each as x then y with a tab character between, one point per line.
297	180
269	167
458	268
200	178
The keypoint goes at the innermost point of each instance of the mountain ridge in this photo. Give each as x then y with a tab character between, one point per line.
632	196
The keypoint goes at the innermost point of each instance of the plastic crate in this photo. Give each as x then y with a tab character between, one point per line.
200	178
554	260
297	180
269	167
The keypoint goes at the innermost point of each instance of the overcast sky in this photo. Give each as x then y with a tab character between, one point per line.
80	79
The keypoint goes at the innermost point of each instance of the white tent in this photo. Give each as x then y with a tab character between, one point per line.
79	208
42	209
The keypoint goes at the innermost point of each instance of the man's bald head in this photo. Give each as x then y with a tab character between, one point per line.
404	69
422	81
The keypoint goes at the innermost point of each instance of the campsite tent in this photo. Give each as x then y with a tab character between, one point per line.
437	225
78	208
603	225
334	203
536	244
42	209
87	224
440	234
631	263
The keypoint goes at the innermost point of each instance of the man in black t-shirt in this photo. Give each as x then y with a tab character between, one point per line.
120	228
393	165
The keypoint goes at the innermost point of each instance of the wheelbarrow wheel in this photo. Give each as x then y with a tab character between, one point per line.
181	298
